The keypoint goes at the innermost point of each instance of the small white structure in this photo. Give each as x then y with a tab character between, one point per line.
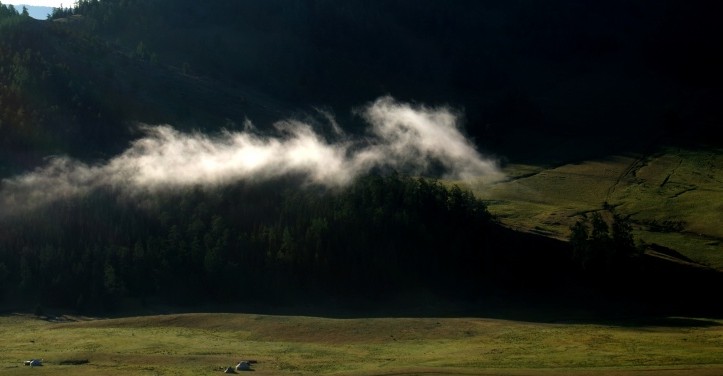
243	366
34	362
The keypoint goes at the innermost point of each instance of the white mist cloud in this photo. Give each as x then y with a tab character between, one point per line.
413	137
401	136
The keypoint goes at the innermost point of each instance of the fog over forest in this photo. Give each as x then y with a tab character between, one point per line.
401	137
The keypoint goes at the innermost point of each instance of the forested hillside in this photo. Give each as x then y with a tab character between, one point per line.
279	243
264	242
65	91
522	80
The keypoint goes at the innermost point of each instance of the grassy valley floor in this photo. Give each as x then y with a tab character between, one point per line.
205	343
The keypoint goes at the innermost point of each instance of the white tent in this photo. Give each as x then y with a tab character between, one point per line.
34	362
243	366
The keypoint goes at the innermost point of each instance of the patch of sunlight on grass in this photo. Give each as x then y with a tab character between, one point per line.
683	187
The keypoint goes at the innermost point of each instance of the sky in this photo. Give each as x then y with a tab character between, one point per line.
39	13
41	3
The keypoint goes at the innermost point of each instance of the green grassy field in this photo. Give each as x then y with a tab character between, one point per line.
202	344
674	197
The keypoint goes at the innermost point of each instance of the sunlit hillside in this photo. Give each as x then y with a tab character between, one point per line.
673	196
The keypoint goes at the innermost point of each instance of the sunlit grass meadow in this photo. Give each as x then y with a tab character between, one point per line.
202	344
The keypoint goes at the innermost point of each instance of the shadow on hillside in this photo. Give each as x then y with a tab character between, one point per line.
558	307
517	311
662	294
576	307
671	322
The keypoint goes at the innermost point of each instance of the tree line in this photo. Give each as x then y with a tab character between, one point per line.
9	12
262	241
603	246
278	241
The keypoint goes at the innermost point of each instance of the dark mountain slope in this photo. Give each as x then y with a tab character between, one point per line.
529	76
612	74
64	91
